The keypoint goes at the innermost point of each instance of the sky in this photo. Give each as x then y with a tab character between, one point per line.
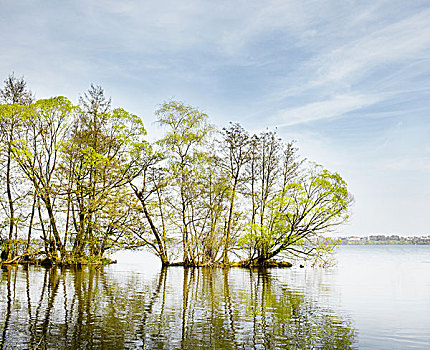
348	80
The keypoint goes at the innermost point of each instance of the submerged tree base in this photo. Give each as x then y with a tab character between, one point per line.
266	263
48	262
245	264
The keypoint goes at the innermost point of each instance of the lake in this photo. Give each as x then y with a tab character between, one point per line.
376	297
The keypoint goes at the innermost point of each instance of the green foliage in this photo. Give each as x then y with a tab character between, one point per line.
299	214
84	178
186	125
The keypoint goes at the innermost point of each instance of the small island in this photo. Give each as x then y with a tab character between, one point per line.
82	180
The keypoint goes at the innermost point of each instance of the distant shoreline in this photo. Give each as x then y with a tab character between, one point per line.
387	240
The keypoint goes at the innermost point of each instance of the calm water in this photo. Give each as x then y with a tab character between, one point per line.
377	297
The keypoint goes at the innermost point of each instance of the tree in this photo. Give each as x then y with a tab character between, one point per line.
273	164
236	146
15	91
214	199
187	132
299	215
99	160
269	149
13	97
38	156
148	188
10	120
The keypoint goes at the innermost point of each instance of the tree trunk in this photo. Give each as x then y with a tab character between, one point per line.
230	216
10	248
162	250
185	243
57	238
30	226
77	246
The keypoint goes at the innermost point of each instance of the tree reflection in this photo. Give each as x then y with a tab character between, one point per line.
181	308
8	305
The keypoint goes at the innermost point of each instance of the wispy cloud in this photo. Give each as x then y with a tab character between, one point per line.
336	106
376	61
407	39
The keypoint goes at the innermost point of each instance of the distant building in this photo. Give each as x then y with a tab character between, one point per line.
377	238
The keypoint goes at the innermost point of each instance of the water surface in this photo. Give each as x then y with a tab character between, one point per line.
377	297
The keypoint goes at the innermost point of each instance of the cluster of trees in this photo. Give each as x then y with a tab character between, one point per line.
80	180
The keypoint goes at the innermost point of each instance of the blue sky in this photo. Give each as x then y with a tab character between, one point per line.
349	80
